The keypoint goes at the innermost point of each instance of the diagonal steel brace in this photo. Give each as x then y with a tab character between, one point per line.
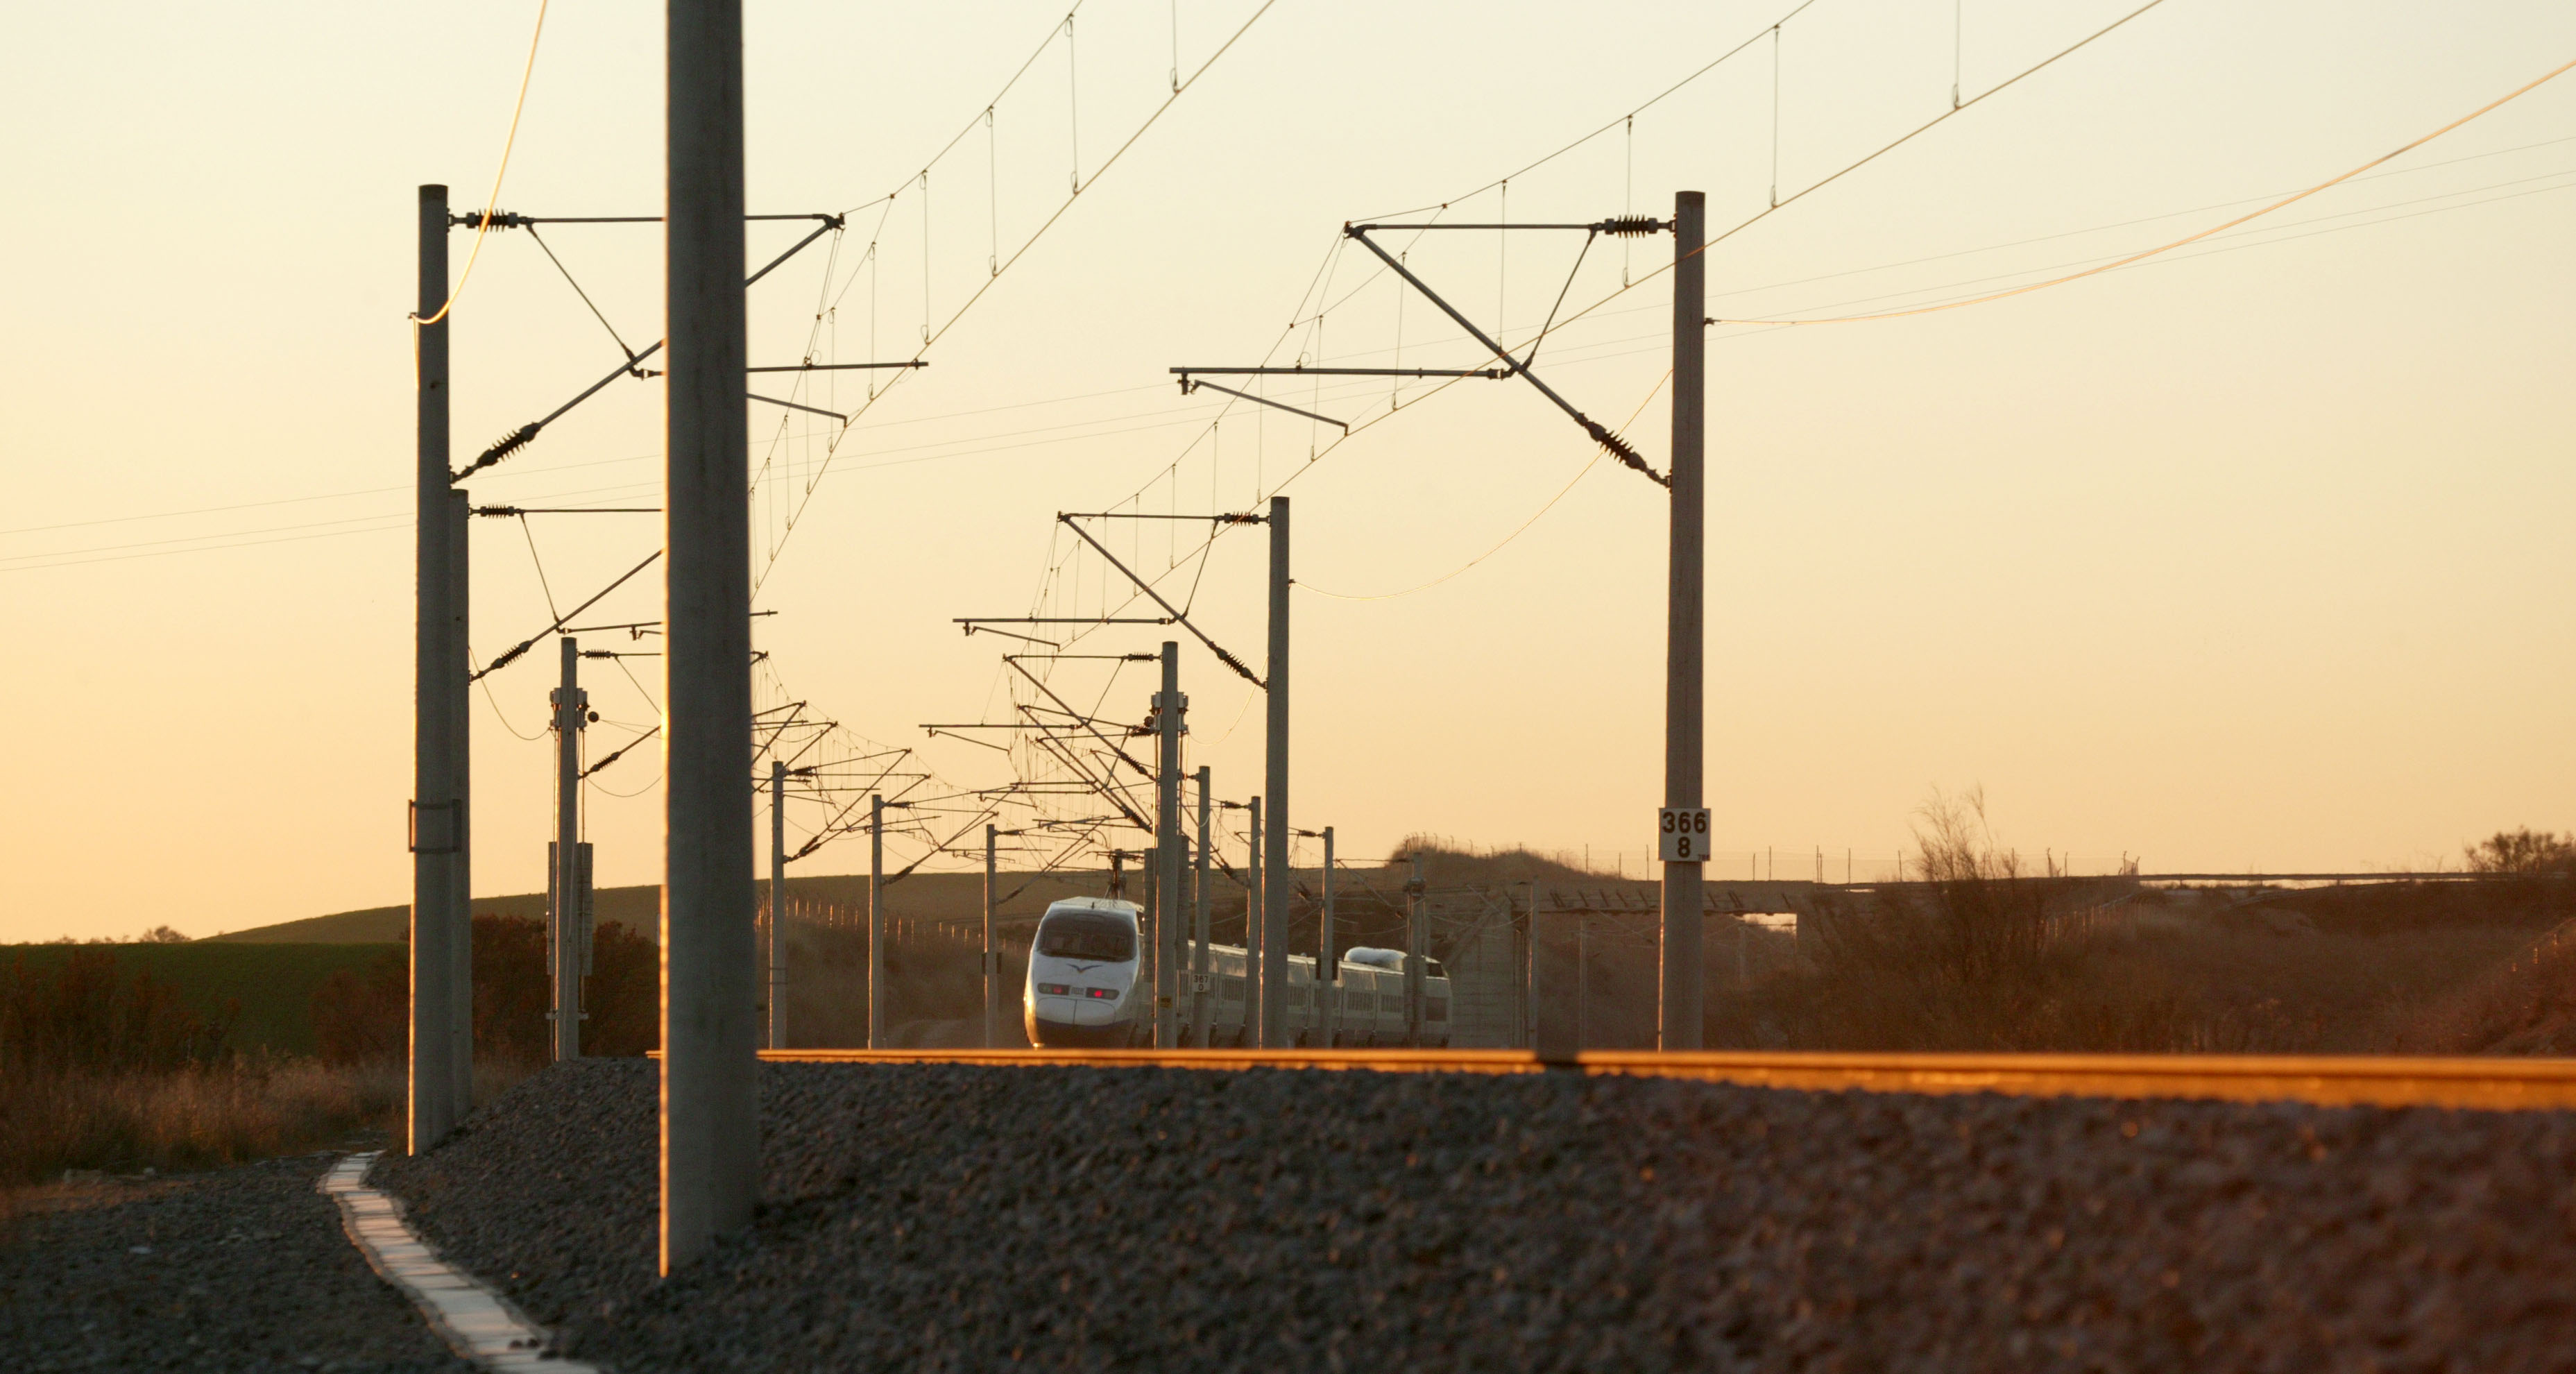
1600	433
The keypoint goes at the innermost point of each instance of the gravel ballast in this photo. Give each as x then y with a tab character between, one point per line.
239	1269
955	1217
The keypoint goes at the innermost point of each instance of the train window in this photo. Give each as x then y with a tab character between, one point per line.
1070	935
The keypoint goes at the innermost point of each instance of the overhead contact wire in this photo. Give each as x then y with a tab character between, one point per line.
492	203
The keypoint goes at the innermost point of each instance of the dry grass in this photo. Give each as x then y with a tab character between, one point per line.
51	1121
2527	1005
1984	957
106	1069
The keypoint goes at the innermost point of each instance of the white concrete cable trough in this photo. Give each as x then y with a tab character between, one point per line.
476	1322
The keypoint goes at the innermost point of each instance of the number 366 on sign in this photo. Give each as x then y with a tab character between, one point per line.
1683	833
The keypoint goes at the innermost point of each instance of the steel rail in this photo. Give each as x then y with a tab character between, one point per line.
2322	1080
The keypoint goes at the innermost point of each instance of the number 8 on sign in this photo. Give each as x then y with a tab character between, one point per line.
1683	833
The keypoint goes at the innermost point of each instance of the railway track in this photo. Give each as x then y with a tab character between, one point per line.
2321	1080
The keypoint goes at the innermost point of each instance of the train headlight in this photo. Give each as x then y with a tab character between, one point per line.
1055	989
1100	992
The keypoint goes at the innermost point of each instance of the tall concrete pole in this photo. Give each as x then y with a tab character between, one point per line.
1253	911
710	950
1274	786
564	918
1328	970
1201	987
778	904
1168	844
1682	983
992	951
460	892
876	922
432	1108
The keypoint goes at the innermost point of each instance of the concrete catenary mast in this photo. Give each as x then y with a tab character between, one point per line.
1273	839
438	820
1169	705
1681	983
568	881
710	1124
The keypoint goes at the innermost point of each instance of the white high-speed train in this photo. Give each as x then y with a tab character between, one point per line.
1084	987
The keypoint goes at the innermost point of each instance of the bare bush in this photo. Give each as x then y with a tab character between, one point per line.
82	1013
1978	956
2523	851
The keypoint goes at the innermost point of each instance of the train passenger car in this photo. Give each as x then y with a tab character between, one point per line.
1365	1008
1082	988
1372	1003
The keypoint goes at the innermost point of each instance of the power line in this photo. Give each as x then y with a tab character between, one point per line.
483	222
2190	239
1185	419
404	523
932	335
1320	450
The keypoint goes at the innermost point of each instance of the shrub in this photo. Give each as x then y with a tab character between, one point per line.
80	1014
359	1018
2523	851
366	1018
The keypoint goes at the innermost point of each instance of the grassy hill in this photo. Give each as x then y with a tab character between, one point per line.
937	897
920	897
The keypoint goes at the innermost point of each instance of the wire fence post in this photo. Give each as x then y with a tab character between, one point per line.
710	1122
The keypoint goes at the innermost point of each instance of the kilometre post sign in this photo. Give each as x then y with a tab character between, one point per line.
1683	833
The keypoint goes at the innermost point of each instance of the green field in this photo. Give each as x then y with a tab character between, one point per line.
274	983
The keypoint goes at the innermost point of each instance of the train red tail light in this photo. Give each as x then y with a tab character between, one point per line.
1055	989
1099	992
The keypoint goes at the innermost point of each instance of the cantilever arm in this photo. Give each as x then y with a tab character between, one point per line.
1600	433
1147	588
520	437
1190	384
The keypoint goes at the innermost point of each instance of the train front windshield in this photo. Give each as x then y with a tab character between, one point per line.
1092	938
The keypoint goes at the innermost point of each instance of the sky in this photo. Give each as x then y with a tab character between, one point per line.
2246	556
